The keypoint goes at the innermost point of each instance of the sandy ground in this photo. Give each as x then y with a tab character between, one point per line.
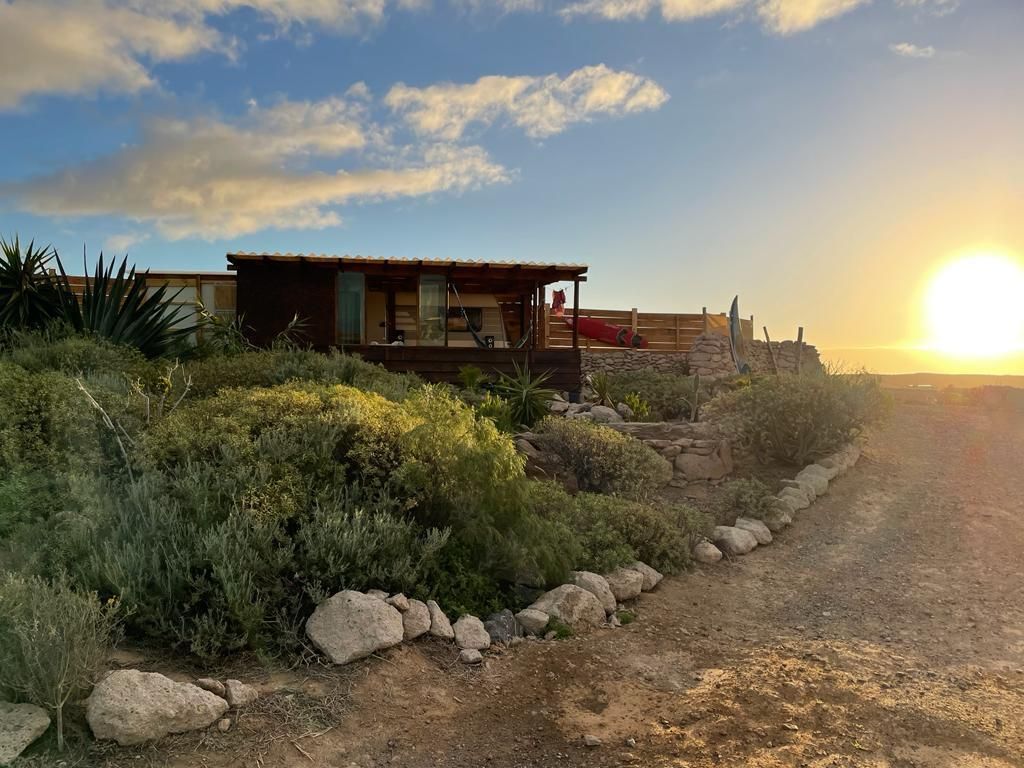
885	628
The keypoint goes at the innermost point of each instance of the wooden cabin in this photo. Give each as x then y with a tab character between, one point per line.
429	317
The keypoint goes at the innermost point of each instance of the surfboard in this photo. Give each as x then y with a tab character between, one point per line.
739	347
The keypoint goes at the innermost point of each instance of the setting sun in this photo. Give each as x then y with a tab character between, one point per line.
975	306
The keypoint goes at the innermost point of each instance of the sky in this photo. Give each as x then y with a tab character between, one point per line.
819	158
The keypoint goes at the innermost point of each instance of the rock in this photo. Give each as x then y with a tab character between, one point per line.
503	627
239	694
804	487
798	497
777	519
602	414
669	453
733	541
713	466
526	448
624	583
597	586
651	577
582	416
550	466
756	527
132	707
224	724
625	412
817	476
439	624
532	621
378	594
20	725
591	741
706	552
571	604
470	633
399	602
470	656
416	620
215	687
350	626
558	406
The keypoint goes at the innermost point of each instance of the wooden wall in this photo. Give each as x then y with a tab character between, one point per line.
270	295
664	332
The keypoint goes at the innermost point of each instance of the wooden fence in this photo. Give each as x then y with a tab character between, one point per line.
664	331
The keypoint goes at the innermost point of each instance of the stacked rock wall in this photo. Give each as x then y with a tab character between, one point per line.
711	356
786	353
696	451
628	360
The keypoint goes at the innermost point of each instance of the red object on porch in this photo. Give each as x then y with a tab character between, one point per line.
612	334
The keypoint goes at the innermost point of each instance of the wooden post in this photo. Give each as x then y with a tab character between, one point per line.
771	352
704	317
632	321
575	313
799	349
677	334
547	325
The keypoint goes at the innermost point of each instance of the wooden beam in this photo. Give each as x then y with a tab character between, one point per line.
799	349
576	314
771	352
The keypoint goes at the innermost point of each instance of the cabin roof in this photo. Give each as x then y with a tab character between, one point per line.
478	269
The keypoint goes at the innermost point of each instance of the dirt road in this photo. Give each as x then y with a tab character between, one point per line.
885	628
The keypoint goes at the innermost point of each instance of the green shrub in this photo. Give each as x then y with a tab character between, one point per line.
76	355
561	630
641	408
601	385
53	642
744	497
604	460
798	419
670	396
626	617
526	395
471	378
498	410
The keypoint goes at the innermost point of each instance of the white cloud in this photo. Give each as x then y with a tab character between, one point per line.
911	51
541	106
122	243
786	17
213	179
934	7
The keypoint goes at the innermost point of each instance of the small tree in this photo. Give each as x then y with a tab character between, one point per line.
53	642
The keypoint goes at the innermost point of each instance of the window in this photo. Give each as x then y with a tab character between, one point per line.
433	310
457	323
351	296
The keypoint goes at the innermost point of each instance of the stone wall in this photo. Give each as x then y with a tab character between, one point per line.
711	356
628	360
696	450
785	357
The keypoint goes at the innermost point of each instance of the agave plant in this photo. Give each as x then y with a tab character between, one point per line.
30	297
526	394
122	309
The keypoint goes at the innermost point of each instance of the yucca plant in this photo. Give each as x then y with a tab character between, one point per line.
122	309
29	294
526	394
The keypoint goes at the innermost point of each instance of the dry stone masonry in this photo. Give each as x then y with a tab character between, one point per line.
711	356
629	360
786	354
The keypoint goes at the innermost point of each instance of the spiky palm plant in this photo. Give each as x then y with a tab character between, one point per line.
29	295
526	394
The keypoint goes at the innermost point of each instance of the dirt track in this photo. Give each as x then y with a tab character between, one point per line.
886	628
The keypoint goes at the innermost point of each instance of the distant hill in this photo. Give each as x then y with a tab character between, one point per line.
956	380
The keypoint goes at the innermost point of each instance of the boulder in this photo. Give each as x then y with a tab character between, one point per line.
399	602
502	627
712	466
470	633
756	527
527	448
215	687
550	466
798	498
597	586
624	583
558	406
777	519
132	707
350	626
625	412
439	624
651	577
380	594
571	604
803	486
415	620
239	694
602	414
733	541
470	656
20	725
816	476
532	621
706	552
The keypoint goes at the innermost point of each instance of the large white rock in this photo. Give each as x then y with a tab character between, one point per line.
777	518
572	605
470	633
532	621
439	624
651	577
350	626
756	527
624	583
733	541
400	602
596	585
415	620
796	497
20	725
602	414
817	476
239	694
706	552
131	707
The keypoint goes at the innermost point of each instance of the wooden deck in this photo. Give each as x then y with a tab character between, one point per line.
441	364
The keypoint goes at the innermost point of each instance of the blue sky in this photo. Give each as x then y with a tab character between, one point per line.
818	157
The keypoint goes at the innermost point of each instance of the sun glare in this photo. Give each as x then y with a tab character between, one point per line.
975	306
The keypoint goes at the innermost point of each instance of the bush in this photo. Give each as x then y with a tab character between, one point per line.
799	419
53	642
526	395
604	460
76	355
670	396
498	410
743	498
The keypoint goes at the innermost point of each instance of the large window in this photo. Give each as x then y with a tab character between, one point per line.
351	298
433	309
